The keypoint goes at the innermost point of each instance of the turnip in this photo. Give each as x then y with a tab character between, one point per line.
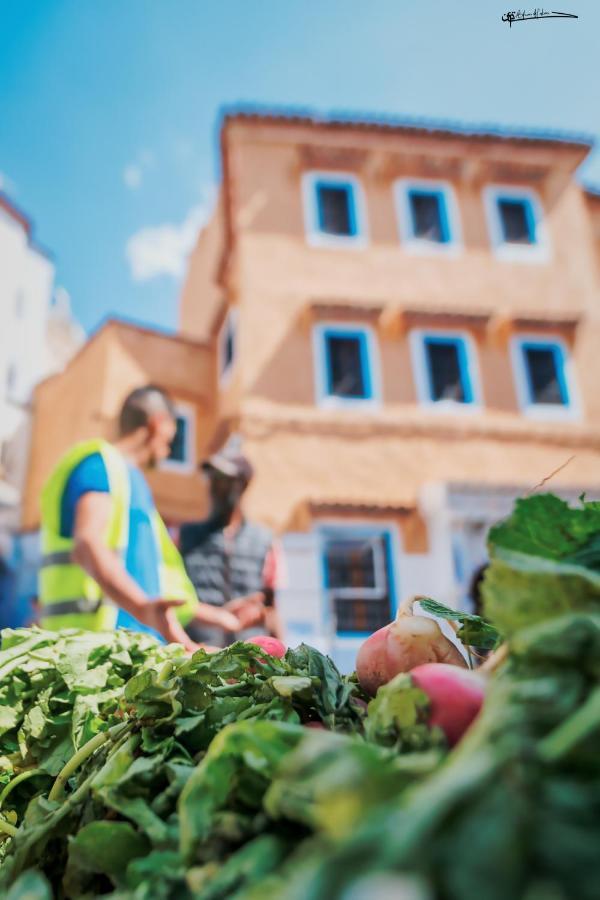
270	645
407	642
455	697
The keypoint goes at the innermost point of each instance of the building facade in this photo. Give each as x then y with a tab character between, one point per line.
401	323
37	336
406	322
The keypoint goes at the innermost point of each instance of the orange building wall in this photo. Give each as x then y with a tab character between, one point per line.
278	282
83	402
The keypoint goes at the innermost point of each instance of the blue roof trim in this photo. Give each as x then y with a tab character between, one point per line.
303	115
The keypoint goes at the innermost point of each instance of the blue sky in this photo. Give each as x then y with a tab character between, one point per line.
108	108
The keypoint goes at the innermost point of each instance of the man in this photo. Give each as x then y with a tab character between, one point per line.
232	562
108	560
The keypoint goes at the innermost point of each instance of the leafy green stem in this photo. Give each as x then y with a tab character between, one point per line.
583	722
23	776
6	828
82	754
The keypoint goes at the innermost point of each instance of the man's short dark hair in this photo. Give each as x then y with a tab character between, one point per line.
140	405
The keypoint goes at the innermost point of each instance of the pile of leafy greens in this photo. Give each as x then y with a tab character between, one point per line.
133	772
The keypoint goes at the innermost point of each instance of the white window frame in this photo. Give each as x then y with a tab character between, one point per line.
547	411
527	253
408	239
229	326
329	401
421	372
314	236
188	465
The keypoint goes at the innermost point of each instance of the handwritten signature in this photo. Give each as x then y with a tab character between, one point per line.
519	15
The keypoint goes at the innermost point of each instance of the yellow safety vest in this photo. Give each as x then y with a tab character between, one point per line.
69	597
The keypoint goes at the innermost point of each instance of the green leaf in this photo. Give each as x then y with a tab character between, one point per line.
544	563
397	717
30	885
106	848
475	631
241	761
289	685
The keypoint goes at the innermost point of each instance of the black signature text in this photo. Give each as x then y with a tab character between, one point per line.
520	15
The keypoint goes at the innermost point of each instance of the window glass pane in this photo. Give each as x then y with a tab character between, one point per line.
345	366
179	442
350	563
515	222
335	214
427	216
544	378
445	376
354	565
361	616
228	347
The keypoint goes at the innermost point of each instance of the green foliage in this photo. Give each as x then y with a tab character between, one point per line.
130	771
474	631
545	561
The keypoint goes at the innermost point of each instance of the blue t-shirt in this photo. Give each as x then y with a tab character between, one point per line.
142	557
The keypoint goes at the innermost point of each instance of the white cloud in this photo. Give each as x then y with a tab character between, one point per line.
132	176
163	249
134	172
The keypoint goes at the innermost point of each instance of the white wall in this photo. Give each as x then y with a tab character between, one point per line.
25	295
301	601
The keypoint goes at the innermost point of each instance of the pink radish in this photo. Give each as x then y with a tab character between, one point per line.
455	696
407	642
318	725
270	645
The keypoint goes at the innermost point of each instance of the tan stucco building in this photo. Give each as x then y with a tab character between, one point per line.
402	323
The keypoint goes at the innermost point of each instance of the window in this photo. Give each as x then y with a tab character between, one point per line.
345	365
516	225
516	220
182	456
11	379
334	209
227	346
543	377
335	203
356	571
427	216
445	369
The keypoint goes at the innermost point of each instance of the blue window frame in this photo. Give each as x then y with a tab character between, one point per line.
334	208
517	220
429	215
447	369
358	579
345	365
516	224
545	377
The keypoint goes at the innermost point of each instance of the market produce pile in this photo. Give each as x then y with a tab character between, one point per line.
131	771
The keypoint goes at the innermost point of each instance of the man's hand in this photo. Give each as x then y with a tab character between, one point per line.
160	615
218	616
250	609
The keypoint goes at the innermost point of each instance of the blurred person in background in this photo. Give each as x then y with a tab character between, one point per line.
233	563
7	594
107	558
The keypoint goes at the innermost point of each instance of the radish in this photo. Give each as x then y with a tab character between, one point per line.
270	645
398	647
455	697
